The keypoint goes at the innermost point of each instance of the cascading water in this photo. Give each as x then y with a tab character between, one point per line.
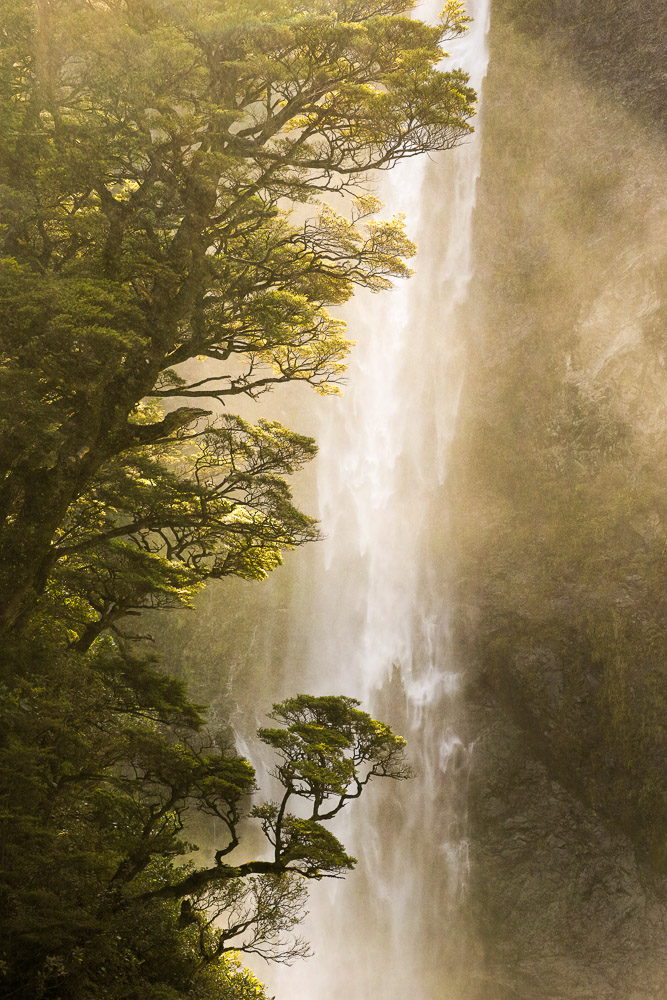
376	612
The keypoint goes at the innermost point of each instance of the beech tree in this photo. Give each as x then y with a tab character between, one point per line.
105	764
157	523
152	154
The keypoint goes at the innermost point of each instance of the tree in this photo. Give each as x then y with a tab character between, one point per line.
158	523
151	153
104	765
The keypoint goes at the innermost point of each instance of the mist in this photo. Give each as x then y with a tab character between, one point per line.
491	578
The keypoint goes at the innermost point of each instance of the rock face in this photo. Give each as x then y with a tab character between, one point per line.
562	905
620	45
560	515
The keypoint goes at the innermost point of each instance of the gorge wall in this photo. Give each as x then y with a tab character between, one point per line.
558	491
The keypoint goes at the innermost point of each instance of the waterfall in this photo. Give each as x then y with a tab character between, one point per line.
375	615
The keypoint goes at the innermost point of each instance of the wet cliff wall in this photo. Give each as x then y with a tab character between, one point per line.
558	493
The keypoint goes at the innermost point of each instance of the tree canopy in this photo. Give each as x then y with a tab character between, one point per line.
153	154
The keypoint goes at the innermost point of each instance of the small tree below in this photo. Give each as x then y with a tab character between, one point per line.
328	750
104	766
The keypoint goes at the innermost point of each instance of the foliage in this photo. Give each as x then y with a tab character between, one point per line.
153	154
104	762
155	525
170	238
